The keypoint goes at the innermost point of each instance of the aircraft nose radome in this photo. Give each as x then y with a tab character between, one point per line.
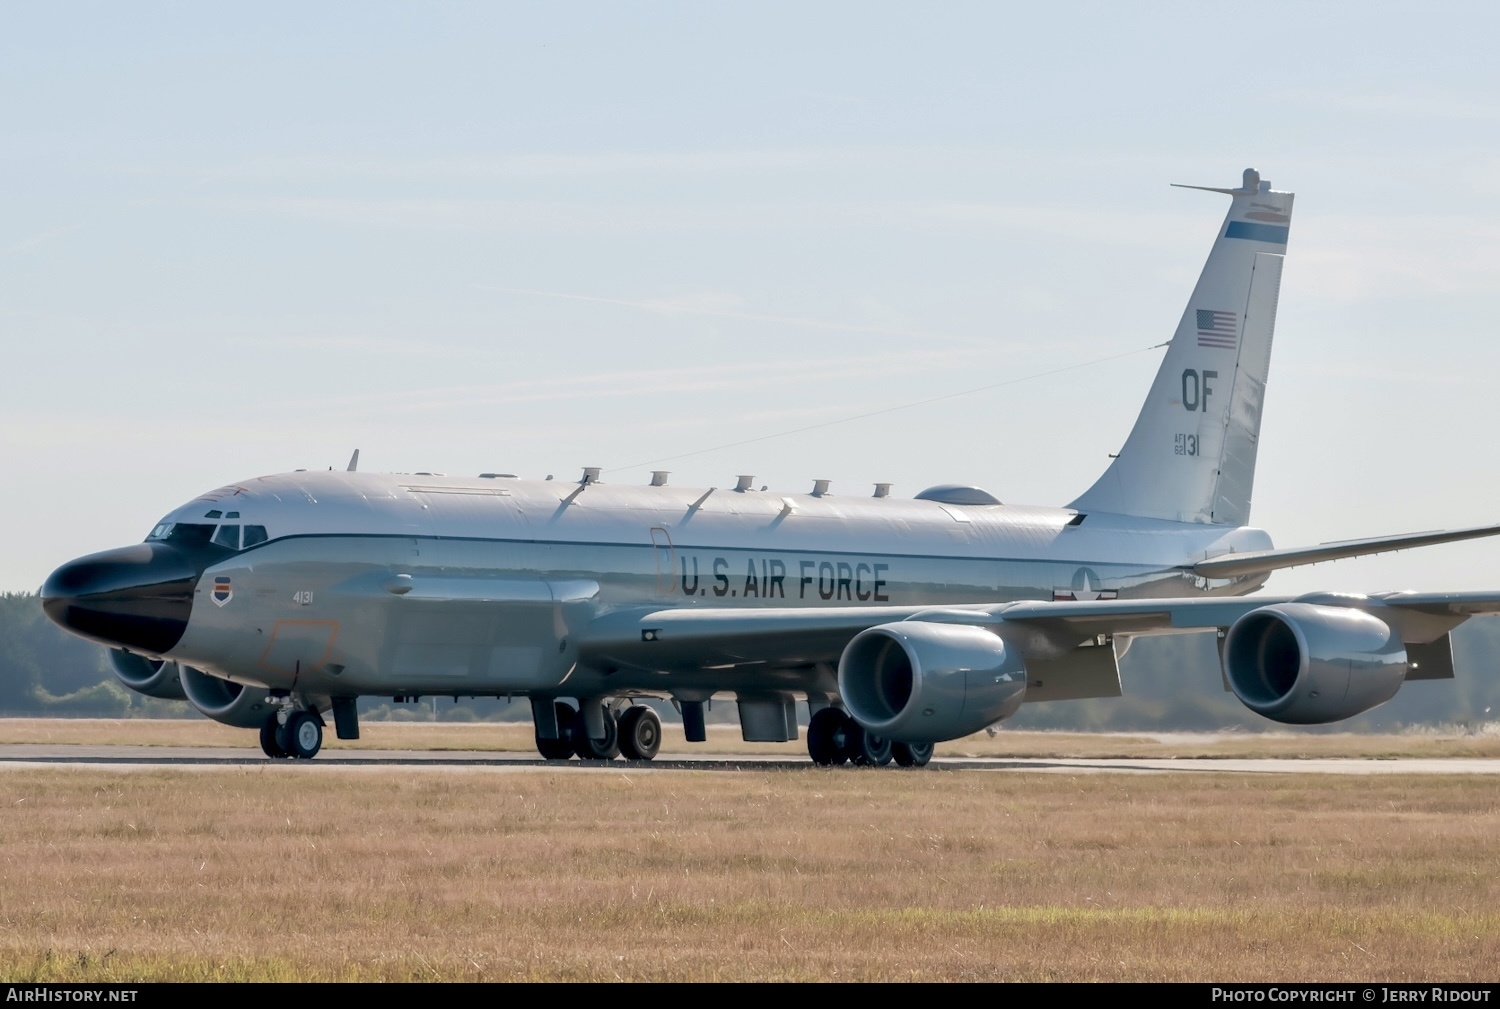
138	597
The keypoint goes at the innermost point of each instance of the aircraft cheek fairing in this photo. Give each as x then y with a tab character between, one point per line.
901	623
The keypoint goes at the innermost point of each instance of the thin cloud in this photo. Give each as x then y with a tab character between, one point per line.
650	381
714	306
1423	103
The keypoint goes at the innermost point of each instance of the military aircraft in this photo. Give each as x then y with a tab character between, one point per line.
900	623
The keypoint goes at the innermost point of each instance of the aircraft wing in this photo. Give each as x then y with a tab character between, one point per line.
1261	561
694	638
1169	615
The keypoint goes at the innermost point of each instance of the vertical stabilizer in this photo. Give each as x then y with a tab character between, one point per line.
1191	455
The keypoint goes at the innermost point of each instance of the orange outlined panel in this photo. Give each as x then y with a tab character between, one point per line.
299	645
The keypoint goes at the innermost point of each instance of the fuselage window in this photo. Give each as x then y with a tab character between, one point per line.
228	536
254	535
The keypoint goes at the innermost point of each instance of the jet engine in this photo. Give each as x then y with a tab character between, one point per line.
152	677
1305	664
226	701
919	682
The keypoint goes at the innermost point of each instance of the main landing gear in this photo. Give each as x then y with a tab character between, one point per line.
300	736
634	734
834	738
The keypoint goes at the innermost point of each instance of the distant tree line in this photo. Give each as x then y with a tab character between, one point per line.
1170	683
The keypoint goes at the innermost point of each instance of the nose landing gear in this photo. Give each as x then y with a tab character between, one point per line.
296	733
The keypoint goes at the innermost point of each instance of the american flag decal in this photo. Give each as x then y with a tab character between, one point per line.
1217	329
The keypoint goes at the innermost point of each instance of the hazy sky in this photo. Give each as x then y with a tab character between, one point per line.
240	239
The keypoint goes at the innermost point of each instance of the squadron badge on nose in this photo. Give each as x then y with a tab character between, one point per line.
223	592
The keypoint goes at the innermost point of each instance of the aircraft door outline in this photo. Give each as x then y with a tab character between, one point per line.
666	561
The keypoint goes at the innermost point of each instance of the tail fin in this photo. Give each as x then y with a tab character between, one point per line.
1191	454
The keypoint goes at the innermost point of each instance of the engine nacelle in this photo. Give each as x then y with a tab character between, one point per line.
226	701
919	682
1305	664
152	677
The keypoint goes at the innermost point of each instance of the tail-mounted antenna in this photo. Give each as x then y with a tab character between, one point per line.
1251	186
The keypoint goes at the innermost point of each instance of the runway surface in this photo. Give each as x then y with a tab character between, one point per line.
140	758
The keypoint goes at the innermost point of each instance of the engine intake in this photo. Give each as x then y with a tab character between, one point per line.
1305	664
152	677
224	700
918	682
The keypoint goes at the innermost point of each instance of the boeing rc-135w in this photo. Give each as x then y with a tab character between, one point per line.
902	623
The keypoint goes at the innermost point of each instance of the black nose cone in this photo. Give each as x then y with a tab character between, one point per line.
138	597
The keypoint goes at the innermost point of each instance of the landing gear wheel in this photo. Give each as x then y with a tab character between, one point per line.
268	744
865	748
640	733
912	754
560	748
302	735
827	737
588	748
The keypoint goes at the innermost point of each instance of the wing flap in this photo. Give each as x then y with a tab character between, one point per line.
1091	671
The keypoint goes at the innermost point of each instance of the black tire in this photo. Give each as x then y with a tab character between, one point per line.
560	748
865	748
912	754
640	733
268	744
588	748
302	735
827	737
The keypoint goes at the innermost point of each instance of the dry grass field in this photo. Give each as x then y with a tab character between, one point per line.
517	737
287	872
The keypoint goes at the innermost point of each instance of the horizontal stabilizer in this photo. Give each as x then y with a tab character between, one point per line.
1261	561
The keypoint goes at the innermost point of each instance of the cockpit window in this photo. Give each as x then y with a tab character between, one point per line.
189	533
213	514
228	535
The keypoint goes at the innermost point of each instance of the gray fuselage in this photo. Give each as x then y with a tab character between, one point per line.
418	585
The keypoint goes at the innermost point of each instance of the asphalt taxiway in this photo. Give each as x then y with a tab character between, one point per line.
127	758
